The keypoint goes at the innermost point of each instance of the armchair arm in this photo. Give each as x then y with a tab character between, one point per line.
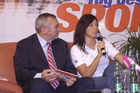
9	87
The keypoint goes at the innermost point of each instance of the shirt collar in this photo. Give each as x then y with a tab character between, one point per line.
91	50
42	41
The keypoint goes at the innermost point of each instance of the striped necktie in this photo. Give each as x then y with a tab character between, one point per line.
52	66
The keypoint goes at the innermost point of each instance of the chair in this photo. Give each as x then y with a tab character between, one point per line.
8	82
7	72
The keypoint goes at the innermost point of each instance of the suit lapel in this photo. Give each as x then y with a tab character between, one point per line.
55	53
40	51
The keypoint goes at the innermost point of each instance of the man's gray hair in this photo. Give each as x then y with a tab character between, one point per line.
41	21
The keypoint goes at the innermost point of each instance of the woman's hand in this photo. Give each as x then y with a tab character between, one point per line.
100	45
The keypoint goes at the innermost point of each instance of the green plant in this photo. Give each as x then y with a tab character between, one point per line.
130	46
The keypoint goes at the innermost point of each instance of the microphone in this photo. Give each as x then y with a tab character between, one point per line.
100	38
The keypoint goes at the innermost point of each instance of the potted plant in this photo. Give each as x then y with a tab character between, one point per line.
130	46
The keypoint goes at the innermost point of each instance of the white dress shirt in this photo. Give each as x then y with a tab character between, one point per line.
44	46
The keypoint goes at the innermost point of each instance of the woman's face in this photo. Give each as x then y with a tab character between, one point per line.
92	29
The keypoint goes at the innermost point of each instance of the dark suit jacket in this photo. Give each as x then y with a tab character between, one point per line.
30	59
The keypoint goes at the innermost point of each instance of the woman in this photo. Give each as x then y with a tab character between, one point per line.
87	56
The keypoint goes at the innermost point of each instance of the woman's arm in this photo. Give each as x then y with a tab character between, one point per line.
119	57
89	71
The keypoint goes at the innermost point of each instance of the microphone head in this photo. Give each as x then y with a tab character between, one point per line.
99	37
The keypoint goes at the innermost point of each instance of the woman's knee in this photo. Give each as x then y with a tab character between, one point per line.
86	81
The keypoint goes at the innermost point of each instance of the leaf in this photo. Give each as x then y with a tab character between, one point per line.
139	30
131	46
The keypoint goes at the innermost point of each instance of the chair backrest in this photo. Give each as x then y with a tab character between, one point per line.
7	51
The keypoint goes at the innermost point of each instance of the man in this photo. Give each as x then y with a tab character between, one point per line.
34	71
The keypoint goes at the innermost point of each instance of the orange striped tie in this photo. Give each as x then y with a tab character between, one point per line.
52	66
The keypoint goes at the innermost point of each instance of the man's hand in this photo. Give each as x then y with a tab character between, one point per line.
70	82
49	75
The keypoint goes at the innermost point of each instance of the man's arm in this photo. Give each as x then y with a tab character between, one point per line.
21	64
69	67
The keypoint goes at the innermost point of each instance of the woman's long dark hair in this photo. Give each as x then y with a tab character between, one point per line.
79	34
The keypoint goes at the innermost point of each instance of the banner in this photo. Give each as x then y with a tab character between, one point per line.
17	17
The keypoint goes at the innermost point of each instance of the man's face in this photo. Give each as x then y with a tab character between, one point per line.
52	30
